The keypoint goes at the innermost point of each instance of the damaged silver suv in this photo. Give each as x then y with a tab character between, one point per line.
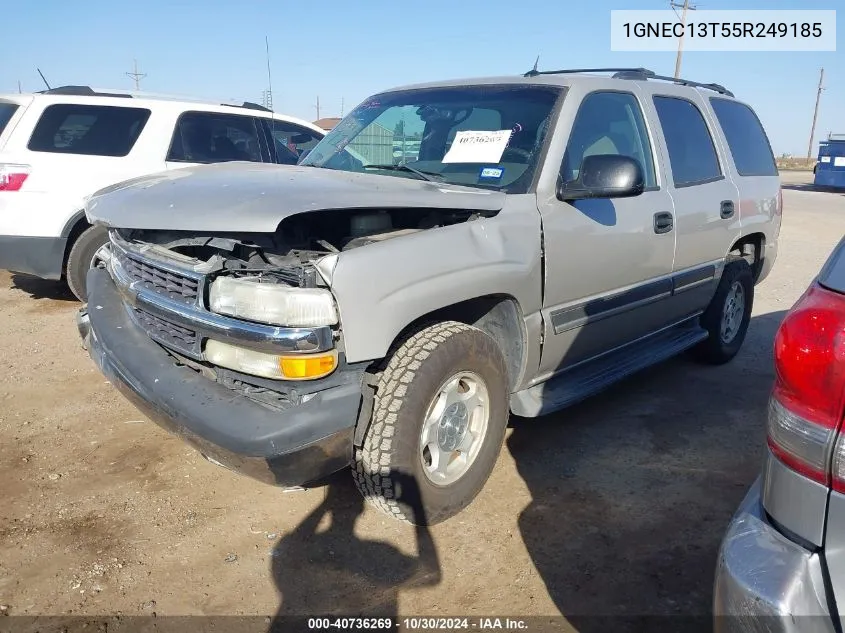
448	255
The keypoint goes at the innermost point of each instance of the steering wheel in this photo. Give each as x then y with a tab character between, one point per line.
517	152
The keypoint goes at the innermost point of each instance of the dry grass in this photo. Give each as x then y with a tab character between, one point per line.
802	164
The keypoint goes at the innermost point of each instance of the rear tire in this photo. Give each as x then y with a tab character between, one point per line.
81	258
728	315
438	423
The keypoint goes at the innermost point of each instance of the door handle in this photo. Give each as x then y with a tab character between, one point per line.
663	222
726	209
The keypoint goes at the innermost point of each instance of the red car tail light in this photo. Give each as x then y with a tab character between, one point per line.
805	411
12	177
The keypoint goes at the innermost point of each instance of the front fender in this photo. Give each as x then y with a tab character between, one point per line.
383	287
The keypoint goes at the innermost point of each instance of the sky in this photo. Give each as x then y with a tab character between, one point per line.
342	52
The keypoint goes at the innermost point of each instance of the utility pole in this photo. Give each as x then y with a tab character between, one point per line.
136	76
341	107
686	7
269	94
815	115
19	87
318	107
267	99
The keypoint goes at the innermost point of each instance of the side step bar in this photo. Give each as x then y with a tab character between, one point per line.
591	377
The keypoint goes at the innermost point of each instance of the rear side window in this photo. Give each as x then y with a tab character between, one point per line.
88	129
746	138
209	137
691	150
7	111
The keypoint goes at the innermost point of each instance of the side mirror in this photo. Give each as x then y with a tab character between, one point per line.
604	176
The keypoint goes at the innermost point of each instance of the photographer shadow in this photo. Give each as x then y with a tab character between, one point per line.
330	570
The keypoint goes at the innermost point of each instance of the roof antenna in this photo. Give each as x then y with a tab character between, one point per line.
42	79
534	72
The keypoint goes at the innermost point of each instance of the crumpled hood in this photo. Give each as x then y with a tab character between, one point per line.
255	197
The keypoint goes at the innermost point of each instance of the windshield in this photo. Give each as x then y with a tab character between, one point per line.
478	136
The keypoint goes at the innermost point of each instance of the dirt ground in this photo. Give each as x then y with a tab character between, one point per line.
614	507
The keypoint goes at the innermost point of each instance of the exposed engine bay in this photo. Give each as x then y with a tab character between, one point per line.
288	255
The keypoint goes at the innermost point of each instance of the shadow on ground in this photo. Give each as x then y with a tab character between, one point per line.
812	187
631	492
39	288
633	489
329	570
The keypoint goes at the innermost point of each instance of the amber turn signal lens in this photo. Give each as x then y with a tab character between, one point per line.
301	367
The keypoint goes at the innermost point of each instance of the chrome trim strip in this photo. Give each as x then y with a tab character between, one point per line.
152	258
264	338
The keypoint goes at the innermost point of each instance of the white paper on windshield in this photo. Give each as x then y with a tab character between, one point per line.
839	161
472	146
825	159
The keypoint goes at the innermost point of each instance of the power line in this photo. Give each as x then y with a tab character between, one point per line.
815	114
683	17
136	76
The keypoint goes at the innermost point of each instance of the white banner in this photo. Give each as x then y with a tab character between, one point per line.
723	31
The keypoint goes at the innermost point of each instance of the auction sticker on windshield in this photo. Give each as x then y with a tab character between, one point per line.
472	146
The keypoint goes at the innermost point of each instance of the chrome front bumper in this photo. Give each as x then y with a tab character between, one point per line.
764	581
297	445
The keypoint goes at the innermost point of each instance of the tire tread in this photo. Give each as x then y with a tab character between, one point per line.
371	466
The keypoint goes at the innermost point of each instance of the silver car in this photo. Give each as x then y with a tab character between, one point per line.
782	562
556	233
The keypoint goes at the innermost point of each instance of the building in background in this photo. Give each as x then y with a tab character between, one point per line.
327	123
374	143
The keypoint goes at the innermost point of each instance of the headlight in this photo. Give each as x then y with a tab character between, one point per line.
266	302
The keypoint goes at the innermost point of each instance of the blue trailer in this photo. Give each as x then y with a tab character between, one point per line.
830	170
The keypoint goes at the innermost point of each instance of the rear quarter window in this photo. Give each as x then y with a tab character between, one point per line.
746	138
214	137
89	130
7	111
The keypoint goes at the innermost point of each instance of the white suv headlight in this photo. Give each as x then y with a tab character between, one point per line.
267	302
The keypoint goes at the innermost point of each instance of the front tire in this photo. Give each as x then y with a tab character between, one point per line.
438	423
81	259
728	315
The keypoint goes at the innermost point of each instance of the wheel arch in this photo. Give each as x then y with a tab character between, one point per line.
74	227
751	248
498	315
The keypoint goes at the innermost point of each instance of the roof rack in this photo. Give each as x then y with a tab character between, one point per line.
88	91
81	91
251	106
633	73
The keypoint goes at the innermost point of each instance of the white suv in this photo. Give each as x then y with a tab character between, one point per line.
59	146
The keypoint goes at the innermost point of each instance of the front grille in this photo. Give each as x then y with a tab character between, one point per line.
179	338
156	278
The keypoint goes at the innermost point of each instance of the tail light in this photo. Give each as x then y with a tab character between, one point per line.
12	177
805	411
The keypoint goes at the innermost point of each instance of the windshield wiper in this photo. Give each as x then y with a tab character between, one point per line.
425	175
